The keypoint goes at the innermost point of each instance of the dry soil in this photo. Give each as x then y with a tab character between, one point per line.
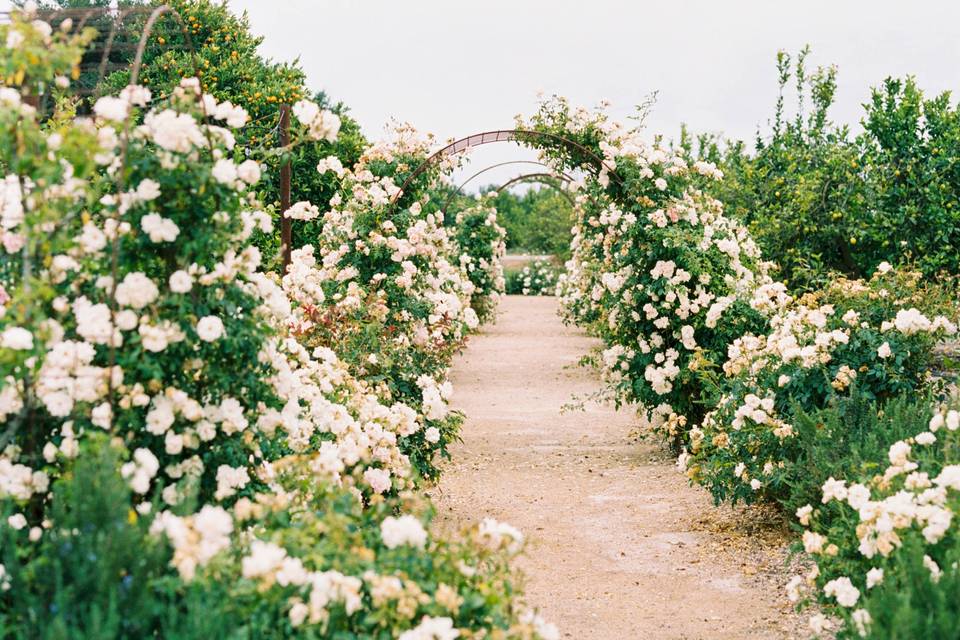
619	544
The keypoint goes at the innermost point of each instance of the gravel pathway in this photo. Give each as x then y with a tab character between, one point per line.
619	545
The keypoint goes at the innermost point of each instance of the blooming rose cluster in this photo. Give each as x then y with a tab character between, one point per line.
385	265
817	347
866	534
658	270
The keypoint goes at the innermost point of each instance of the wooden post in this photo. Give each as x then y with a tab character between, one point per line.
286	227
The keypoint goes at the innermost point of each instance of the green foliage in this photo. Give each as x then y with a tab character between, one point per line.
101	570
849	438
536	279
911	154
537	221
822	200
908	604
94	573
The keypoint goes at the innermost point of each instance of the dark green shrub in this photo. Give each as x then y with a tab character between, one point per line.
849	439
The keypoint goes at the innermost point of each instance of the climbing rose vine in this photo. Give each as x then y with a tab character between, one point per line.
154	375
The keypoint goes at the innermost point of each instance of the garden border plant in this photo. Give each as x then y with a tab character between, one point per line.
231	451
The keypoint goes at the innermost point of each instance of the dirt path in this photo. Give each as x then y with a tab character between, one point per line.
619	545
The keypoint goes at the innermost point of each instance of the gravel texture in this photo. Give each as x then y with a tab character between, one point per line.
619	544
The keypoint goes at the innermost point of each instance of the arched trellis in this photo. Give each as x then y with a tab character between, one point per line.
137	23
563	177
545	178
505	135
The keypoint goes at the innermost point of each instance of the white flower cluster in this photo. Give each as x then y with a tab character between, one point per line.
218	385
321	123
626	280
913	497
403	530
371	263
196	539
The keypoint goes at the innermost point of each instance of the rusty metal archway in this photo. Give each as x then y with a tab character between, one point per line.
504	135
132	25
562	177
544	178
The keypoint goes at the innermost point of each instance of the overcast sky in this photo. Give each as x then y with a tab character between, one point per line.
460	67
456	67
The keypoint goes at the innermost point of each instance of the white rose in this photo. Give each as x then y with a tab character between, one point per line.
180	281
148	190
378	479
249	171
210	328
136	290
127	320
224	171
306	111
111	108
17	338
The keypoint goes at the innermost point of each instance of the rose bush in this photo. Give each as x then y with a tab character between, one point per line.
537	279
155	393
383	285
868	338
305	558
658	272
480	242
885	541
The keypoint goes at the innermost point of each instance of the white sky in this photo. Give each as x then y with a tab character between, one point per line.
456	67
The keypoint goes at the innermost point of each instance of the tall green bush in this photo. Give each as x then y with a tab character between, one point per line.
824	200
537	221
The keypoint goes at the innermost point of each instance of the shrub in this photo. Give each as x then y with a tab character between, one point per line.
230	68
536	279
908	603
863	335
311	560
536	221
480	245
848	439
658	271
382	285
910	151
823	200
90	570
885	540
